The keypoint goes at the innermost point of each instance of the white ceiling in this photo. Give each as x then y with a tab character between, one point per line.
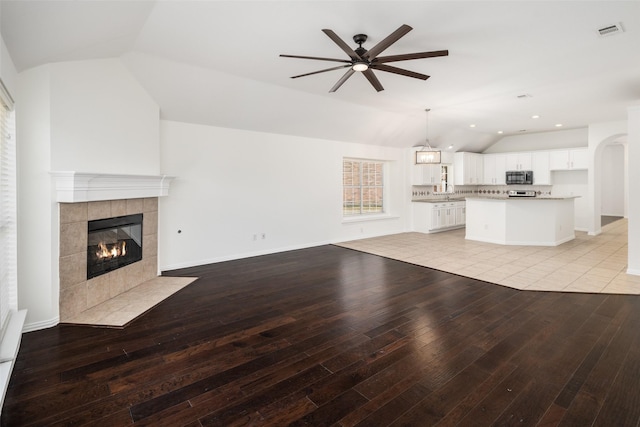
217	63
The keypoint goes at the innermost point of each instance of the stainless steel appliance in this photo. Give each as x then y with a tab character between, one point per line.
519	177
521	193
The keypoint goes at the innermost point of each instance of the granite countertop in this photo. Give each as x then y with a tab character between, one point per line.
485	197
456	199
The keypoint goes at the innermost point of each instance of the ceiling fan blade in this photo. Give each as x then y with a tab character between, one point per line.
408	56
373	80
388	41
343	79
396	70
322	71
345	47
317	58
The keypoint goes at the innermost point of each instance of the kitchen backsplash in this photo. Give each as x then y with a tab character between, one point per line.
425	192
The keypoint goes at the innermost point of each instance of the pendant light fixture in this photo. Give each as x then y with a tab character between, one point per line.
427	155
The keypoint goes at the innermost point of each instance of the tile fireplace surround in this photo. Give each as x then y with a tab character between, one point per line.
117	297
78	294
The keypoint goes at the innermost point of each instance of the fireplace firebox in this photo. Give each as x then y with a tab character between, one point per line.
113	243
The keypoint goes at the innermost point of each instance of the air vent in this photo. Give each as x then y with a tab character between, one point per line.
610	30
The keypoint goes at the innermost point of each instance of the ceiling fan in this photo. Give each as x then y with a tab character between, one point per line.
365	61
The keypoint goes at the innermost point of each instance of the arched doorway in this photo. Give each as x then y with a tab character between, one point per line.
609	181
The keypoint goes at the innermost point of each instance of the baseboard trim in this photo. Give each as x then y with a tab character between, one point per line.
633	271
43	324
233	257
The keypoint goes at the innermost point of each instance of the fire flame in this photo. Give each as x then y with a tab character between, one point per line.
112	251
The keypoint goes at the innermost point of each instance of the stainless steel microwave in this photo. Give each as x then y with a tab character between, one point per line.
519	178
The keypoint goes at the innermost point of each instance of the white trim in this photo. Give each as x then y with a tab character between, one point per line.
9	347
239	256
373	217
5	96
521	243
43	324
633	271
75	187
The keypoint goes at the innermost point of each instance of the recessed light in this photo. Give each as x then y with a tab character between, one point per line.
558	125
500	132
472	126
450	147
535	116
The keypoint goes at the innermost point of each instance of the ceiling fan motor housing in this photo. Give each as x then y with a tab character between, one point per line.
360	38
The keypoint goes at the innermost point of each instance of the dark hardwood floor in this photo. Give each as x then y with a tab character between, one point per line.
330	336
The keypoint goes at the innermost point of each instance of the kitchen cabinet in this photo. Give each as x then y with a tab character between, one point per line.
426	174
519	161
431	217
541	168
468	168
443	215
461	213
494	168
572	159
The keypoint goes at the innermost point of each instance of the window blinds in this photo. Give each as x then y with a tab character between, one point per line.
8	227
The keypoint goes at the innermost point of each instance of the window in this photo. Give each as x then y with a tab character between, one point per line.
363	187
8	236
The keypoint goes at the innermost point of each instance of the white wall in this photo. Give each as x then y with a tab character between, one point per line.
36	246
613	180
573	183
102	120
87	116
568	138
633	153
232	184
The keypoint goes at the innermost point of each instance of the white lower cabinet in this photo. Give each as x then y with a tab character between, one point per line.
429	217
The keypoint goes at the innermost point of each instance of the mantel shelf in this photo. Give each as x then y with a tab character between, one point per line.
76	187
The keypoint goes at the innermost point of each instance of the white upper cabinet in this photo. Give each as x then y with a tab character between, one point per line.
540	168
575	158
519	162
468	168
495	166
426	174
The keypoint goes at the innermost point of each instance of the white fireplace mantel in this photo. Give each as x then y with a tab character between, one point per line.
76	187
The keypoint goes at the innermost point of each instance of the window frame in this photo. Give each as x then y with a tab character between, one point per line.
362	188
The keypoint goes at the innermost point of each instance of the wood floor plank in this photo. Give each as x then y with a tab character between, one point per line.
332	336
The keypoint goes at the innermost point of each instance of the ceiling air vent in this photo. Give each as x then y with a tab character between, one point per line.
611	30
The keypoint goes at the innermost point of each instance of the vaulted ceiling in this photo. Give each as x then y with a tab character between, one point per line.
217	63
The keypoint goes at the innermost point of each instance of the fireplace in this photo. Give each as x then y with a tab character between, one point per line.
113	243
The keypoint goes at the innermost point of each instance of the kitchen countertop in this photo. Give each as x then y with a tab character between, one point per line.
484	197
457	199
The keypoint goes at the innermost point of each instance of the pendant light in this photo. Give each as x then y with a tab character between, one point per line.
427	155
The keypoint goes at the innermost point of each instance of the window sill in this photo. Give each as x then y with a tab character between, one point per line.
362	218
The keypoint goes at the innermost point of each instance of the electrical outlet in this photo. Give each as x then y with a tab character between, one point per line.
255	237
263	236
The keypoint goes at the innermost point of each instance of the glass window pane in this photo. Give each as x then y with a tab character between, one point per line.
363	187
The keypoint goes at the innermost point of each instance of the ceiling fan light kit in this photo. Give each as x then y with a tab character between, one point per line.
365	61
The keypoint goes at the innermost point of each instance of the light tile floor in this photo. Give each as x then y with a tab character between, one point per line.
594	264
122	309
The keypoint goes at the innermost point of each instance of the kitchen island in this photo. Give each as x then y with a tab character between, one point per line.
531	221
